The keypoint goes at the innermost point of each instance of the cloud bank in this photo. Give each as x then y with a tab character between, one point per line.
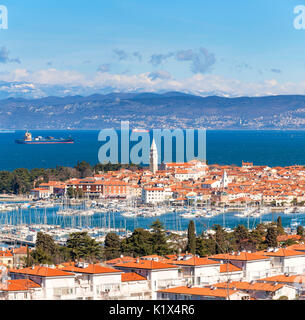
66	82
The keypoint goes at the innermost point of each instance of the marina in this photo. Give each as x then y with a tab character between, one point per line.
20	222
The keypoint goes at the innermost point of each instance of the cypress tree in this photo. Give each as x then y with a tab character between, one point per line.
191	238
280	228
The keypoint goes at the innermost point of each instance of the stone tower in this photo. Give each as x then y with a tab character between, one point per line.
153	160
224	180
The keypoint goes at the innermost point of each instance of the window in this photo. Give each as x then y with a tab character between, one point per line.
63	291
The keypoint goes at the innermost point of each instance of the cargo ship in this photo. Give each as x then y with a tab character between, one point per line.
28	139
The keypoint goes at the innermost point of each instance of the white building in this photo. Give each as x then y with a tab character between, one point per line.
259	290
254	265
198	271
41	193
135	287
21	289
285	261
156	194
204	271
211	184
95	281
161	275
55	284
194	293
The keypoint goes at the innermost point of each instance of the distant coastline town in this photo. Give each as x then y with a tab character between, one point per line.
69	258
153	110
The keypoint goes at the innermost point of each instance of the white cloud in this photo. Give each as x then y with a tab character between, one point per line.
42	81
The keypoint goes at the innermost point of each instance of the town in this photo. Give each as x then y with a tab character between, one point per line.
262	263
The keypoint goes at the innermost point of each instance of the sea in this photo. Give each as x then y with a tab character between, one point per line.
262	147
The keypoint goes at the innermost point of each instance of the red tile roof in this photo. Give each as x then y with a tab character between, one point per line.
288	237
42	272
6	254
91	269
300	279
19	285
229	267
257	286
21	250
241	256
194	261
200	291
282	252
132	276
146	264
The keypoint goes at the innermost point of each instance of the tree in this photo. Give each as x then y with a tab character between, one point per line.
46	250
271	237
40	257
22	182
6	180
289	242
241	236
222	244
280	229
191	236
158	239
82	246
28	260
205	246
84	169
138	244
46	243
112	246
70	192
300	231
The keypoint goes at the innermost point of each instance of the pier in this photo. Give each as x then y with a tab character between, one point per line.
10	239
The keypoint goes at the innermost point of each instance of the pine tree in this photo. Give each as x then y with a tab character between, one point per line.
271	237
220	237
112	246
241	234
82	246
300	231
138	244
158	239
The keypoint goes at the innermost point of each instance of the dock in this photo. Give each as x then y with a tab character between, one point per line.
10	239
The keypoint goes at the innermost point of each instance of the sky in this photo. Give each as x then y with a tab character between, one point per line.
205	47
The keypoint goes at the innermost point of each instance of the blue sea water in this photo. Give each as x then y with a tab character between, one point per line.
172	221
272	148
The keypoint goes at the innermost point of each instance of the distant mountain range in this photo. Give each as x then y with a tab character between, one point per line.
152	110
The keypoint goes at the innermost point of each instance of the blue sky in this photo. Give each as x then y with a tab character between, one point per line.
233	48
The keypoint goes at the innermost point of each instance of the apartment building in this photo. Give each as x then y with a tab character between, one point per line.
197	293
160	274
260	290
153	195
56	284
254	265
